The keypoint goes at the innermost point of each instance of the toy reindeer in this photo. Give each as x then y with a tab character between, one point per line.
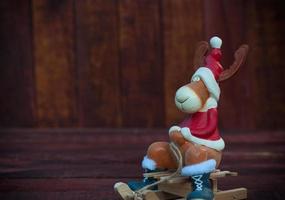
197	138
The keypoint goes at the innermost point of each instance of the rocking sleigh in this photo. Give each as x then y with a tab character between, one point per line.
178	187
171	185
195	147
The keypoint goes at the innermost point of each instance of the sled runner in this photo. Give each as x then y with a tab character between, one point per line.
178	188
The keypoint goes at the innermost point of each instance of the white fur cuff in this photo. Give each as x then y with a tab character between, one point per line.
214	144
186	132
200	168
148	163
174	128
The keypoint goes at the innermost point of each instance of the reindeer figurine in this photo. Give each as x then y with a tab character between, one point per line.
197	138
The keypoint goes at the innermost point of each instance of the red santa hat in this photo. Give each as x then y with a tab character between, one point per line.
212	69
213	59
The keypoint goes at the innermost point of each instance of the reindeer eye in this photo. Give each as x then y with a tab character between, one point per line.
196	78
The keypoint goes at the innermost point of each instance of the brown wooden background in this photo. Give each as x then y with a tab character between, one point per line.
104	64
117	63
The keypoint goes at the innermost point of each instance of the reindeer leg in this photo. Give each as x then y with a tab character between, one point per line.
161	155
200	161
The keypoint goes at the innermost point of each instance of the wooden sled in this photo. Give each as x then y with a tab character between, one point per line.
178	188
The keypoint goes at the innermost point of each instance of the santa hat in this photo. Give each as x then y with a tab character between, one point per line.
213	59
209	74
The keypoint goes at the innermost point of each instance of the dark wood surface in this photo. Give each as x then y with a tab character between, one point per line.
75	63
85	163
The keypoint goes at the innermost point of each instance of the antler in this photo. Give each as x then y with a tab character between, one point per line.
240	56
200	52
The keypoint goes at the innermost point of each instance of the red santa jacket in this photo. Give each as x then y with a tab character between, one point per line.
203	124
202	128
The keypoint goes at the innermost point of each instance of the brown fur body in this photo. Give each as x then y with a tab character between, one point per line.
192	153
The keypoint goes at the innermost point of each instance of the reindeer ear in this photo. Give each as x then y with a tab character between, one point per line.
200	53
240	56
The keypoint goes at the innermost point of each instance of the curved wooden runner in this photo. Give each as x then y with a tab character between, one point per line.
181	186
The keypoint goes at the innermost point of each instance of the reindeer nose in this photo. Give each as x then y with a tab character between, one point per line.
182	94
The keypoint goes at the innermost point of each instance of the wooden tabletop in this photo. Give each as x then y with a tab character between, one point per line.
85	163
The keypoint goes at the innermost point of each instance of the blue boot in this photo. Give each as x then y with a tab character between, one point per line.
201	187
136	185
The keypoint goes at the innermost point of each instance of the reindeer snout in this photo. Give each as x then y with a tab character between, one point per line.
187	100
183	94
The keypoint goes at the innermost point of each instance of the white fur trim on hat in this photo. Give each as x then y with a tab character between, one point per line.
214	144
148	163
209	80
200	168
216	42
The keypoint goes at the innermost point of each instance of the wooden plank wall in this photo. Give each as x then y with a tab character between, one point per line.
118	63
54	56
97	43
17	99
